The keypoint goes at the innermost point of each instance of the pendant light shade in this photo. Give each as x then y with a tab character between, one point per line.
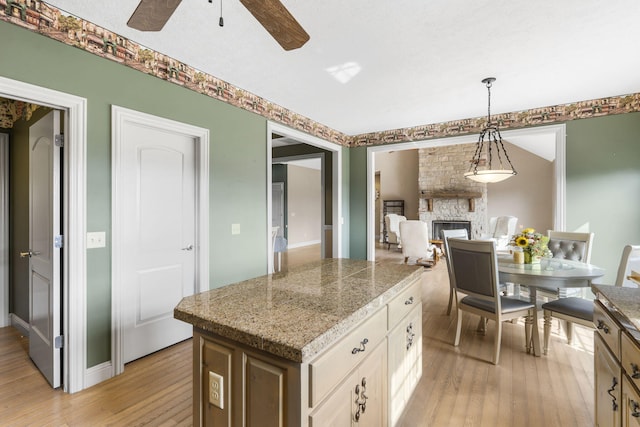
489	151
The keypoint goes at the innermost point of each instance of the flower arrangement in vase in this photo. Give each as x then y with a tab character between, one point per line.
532	244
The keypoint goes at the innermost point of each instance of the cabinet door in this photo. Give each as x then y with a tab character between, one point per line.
339	408
608	384
372	373
361	399
630	404
405	361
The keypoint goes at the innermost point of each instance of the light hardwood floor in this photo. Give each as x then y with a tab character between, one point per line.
459	387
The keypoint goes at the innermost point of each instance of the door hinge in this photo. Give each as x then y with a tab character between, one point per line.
59	341
59	140
58	242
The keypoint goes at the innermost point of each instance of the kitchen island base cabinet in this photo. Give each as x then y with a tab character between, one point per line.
279	351
264	390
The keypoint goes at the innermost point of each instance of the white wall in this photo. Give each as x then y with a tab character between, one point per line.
528	195
399	179
304	211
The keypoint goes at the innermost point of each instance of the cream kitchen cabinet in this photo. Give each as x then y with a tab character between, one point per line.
316	347
360	400
608	382
617	356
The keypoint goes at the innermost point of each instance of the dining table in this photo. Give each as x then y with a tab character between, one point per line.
551	274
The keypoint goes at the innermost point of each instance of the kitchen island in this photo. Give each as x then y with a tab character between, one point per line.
617	356
334	342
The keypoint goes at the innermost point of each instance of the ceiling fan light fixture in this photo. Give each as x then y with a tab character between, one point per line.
487	150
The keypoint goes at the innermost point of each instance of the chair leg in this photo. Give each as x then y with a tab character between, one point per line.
451	292
547	330
458	328
569	329
406	259
482	326
497	341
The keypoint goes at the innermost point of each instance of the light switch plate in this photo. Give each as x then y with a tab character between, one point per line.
96	239
235	228
216	390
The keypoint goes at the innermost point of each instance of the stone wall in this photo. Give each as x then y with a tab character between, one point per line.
442	169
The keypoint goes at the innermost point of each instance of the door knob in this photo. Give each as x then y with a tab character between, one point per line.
188	248
28	254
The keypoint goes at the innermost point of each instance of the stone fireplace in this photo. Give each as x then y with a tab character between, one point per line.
445	194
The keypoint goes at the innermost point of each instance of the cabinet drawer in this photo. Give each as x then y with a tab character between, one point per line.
630	358
329	369
607	328
403	303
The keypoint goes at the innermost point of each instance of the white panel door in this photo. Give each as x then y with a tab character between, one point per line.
44	258
158	221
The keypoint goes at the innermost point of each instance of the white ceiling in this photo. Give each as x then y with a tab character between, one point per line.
416	62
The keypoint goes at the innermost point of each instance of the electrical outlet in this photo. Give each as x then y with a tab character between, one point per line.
96	239
216	390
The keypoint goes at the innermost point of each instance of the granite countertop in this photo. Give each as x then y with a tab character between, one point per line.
626	301
297	313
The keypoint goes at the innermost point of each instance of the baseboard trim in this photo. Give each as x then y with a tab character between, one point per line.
19	324
97	374
303	244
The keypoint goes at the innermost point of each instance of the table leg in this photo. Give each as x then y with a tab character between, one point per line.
535	335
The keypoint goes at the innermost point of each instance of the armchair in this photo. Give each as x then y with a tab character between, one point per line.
501	229
392	224
415	243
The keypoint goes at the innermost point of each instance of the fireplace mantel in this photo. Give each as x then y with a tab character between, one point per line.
451	194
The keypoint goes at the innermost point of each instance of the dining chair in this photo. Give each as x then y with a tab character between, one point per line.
568	245
445	235
580	310
414	235
475	270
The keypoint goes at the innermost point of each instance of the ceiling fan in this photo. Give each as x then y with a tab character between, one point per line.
151	15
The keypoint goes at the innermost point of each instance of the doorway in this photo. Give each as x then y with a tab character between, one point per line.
331	233
73	279
160	229
553	137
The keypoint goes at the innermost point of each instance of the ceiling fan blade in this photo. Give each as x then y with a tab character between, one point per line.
277	20
151	15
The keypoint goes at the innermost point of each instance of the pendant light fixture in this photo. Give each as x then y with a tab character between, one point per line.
490	151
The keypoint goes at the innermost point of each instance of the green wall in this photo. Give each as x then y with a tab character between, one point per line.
603	185
237	159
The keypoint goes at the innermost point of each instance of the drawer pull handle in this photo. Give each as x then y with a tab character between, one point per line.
357	350
602	326
361	398
409	301
410	335
614	404
635	409
635	374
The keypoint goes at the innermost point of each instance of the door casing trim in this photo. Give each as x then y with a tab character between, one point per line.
74	316
119	116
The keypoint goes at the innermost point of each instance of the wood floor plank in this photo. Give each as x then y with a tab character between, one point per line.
459	387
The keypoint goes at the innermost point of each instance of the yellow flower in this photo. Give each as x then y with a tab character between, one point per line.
528	231
522	241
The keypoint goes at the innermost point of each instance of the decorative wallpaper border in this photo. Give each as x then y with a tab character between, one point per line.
40	17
